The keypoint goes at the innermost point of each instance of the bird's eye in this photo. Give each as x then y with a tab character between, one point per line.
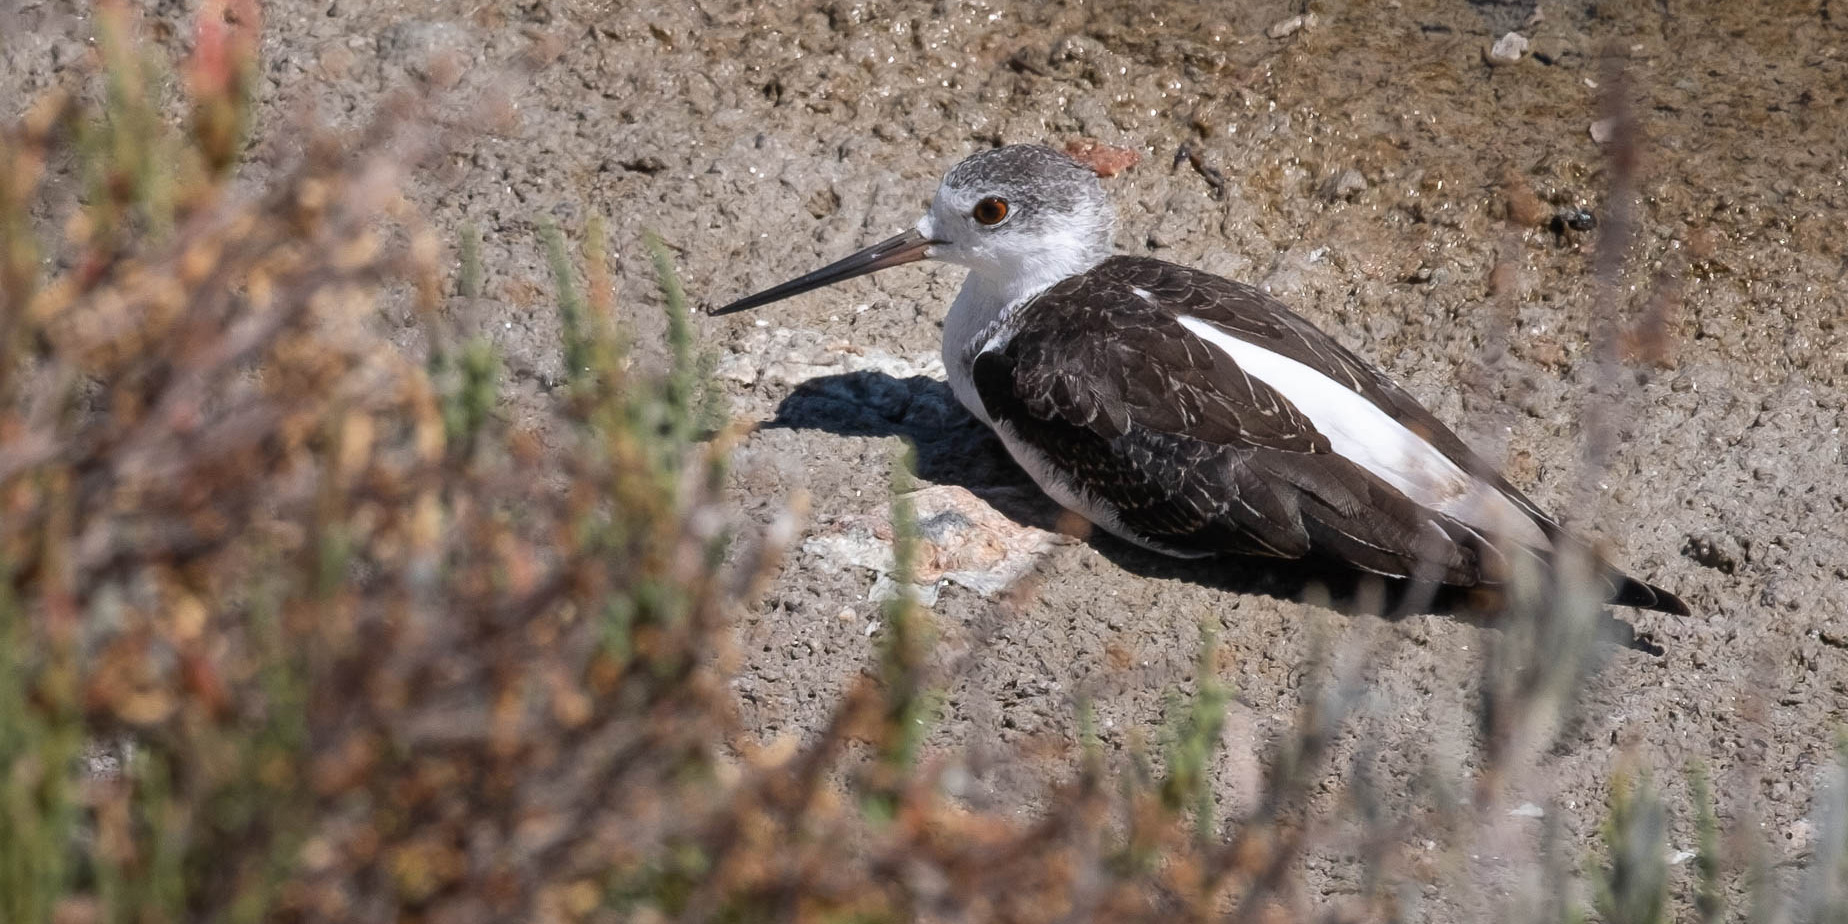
990	211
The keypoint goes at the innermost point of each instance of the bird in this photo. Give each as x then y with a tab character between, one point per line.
1191	414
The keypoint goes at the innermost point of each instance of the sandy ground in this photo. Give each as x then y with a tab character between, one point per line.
1376	171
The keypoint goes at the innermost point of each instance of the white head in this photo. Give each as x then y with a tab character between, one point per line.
1025	216
1020	218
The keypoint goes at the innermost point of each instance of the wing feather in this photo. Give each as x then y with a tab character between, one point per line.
1188	453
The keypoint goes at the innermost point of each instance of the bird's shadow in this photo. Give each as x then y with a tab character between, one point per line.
954	448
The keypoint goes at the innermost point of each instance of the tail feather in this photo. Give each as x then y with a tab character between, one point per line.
1628	591
1620	588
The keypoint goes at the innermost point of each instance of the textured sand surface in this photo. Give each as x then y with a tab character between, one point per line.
1376	170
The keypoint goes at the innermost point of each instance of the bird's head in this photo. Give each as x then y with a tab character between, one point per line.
1023	216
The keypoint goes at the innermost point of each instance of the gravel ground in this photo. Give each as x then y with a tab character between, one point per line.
1373	168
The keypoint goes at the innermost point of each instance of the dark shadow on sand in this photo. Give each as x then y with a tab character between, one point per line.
954	448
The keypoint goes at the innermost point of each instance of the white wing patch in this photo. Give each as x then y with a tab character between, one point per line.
1373	440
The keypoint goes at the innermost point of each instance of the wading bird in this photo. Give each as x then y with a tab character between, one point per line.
1188	413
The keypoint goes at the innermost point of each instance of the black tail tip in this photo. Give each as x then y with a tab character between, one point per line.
1644	596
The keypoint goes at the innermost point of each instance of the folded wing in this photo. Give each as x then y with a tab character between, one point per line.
1200	415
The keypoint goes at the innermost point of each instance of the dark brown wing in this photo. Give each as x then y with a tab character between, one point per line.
1257	318
1196	456
1192	454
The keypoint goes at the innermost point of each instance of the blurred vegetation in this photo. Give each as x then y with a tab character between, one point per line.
294	627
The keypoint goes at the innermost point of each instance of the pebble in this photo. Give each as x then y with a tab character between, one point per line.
1524	206
1574	220
1292	25
1344	185
1508	49
1603	130
962	541
736	367
1105	160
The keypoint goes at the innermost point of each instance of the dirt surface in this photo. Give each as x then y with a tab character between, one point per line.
1376	170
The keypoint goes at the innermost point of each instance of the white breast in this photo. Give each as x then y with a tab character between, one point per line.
1373	440
978	321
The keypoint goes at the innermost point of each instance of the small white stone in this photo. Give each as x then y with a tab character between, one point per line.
1680	856
1292	25
1603	130
964	541
736	367
1527	810
1508	49
1345	185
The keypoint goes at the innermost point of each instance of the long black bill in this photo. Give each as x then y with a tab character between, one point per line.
905	248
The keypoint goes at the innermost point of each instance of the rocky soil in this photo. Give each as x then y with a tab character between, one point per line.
1430	194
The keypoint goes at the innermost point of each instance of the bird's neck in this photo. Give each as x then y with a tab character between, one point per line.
996	286
986	299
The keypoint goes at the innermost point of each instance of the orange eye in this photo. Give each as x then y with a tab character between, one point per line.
990	211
